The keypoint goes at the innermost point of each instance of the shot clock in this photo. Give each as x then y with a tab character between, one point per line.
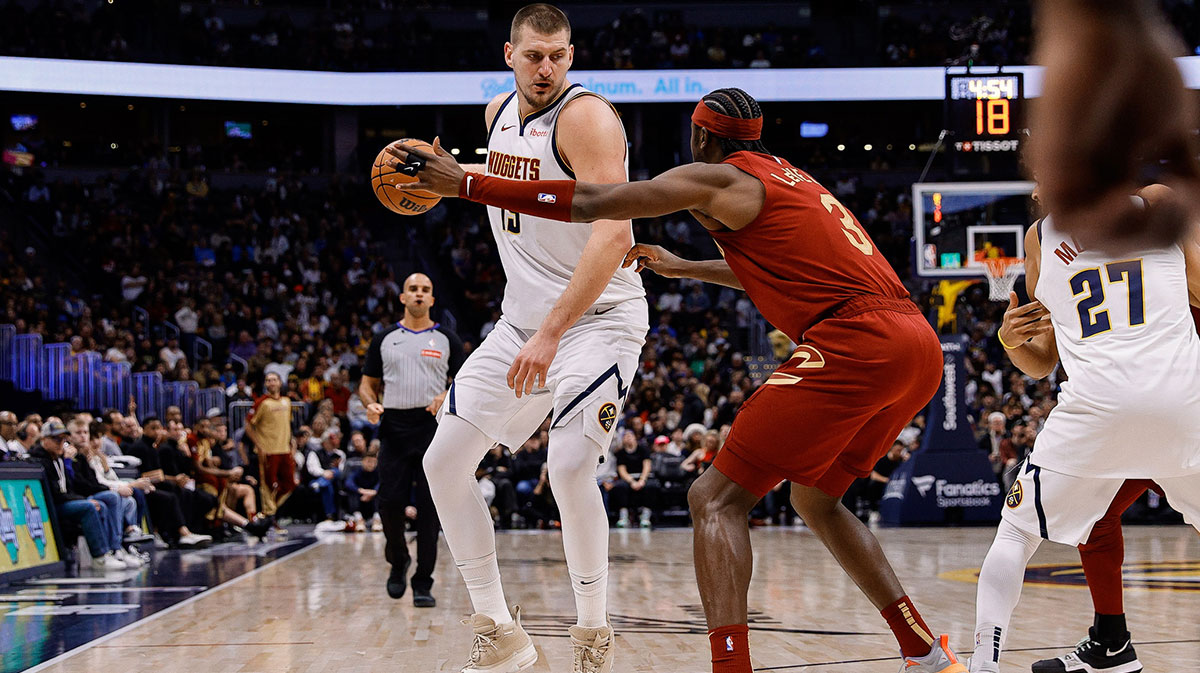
985	113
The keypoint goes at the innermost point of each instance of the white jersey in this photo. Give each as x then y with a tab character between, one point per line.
540	255
1131	405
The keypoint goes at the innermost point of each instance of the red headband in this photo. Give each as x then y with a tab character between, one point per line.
726	126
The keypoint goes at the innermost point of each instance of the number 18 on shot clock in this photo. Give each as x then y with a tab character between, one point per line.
985	113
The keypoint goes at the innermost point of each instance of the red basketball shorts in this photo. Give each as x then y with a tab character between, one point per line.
827	415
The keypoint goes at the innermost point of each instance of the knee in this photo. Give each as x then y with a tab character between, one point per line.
572	467
707	504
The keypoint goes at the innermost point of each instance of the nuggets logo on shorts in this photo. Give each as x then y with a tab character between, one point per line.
1015	495
607	416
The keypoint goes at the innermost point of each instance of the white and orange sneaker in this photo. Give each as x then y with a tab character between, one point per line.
940	659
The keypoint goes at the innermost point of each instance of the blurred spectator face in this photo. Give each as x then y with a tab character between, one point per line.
629	441
129	428
712	441
369	463
78	432
736	396
897	451
637	425
331	439
273	384
174	414
218	429
417	295
201	428
532	445
8	425
54	445
154	431
358	443
996	423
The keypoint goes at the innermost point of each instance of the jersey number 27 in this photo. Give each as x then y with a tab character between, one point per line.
1091	281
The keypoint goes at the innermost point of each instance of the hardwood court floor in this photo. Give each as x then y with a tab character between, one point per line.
324	610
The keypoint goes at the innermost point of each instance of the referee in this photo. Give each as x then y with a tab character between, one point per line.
412	363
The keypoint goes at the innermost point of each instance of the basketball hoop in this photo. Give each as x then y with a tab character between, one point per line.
1002	274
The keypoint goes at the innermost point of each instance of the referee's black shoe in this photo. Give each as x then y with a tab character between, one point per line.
1092	656
423	599
397	582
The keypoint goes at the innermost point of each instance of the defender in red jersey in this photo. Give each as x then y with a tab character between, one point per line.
866	364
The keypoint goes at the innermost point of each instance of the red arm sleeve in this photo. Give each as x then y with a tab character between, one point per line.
550	199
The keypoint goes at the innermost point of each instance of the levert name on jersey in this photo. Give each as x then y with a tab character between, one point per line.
514	167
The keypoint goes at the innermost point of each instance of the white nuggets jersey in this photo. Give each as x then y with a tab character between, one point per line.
1131	406
540	255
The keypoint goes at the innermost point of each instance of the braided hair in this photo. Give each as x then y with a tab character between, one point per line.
734	102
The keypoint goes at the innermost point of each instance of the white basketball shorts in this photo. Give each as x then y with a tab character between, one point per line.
591	374
1063	508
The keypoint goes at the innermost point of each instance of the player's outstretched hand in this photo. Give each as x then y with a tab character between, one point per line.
656	258
1022	323
438	172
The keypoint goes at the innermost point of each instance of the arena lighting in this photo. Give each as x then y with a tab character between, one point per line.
868	147
841	148
454	151
481	150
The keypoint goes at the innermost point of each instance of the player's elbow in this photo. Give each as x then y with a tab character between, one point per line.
615	235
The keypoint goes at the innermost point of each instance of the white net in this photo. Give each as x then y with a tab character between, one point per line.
1002	275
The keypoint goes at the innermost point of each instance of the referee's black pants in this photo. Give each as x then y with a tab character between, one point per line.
404	435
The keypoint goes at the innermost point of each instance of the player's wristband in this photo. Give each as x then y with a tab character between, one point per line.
550	199
1006	346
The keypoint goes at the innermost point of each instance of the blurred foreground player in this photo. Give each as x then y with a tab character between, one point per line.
403	384
567	344
1113	104
867	361
1120	322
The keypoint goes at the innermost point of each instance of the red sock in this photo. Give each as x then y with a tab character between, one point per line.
730	649
915	638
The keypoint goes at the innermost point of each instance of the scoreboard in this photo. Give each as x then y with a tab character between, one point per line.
985	113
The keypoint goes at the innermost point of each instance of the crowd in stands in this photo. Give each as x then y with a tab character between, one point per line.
345	39
286	280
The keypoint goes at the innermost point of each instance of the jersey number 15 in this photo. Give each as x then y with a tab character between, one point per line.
1092	282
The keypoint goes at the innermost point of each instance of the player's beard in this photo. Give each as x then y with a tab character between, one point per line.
537	101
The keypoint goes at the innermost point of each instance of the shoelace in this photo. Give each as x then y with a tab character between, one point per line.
590	657
480	644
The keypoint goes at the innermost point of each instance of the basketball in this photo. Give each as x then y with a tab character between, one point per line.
384	180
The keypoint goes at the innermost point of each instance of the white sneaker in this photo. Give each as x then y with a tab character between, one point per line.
108	563
194	540
645	522
623	519
128	559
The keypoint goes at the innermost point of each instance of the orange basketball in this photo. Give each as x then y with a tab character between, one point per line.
384	180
